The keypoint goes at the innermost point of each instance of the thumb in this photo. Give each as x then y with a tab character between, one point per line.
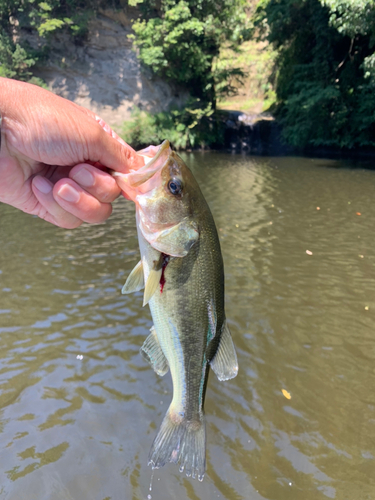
111	151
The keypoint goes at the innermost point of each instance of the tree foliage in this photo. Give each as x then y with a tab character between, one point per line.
46	17
179	41
353	18
324	71
192	126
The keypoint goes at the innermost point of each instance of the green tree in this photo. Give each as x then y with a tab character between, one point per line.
179	41
46	17
353	18
324	71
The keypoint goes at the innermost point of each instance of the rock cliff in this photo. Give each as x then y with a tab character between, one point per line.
103	74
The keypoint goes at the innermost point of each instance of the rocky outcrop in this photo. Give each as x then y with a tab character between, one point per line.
256	134
103	74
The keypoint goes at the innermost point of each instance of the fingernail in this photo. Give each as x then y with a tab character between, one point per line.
84	178
42	184
68	193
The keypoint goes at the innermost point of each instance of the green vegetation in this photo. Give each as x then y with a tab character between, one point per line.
324	73
46	18
255	93
180	41
320	61
312	61
189	127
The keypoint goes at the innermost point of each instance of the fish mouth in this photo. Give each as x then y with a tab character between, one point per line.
136	181
151	167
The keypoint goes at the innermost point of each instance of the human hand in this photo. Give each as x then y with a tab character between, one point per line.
54	155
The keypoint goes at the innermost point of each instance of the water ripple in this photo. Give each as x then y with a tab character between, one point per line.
78	404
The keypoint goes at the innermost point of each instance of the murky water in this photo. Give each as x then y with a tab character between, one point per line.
79	408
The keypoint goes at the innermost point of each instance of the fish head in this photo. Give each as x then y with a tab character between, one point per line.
163	191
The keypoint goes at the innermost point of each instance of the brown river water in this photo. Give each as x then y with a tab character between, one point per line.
79	407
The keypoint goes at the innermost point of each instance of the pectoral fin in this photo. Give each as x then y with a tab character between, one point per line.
152	284
224	363
175	241
135	281
152	352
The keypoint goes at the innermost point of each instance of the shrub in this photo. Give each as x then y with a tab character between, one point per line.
192	127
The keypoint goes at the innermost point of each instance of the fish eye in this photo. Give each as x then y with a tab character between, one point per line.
175	186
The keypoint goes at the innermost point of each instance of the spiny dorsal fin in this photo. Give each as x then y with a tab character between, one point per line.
152	283
152	352
224	363
135	281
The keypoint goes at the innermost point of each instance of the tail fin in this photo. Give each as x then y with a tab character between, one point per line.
182	442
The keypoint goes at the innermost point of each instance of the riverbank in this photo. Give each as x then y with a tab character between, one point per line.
104	74
261	134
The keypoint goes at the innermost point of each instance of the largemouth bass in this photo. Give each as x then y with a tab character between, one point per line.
181	269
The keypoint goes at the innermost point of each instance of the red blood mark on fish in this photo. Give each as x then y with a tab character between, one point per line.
166	259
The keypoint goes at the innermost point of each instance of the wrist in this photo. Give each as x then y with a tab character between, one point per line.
10	101
16	102
4	153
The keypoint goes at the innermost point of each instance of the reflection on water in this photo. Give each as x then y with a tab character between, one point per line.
79	408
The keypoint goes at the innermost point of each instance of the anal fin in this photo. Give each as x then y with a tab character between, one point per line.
224	363
135	281
152	352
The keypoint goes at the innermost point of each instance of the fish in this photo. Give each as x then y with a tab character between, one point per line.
181	271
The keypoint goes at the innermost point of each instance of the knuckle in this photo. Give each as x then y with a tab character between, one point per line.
71	224
108	196
101	214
